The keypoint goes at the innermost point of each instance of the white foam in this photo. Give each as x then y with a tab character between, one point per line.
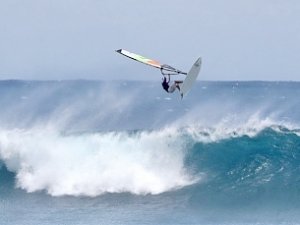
230	127
93	164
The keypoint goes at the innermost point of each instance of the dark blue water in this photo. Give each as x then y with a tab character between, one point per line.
87	152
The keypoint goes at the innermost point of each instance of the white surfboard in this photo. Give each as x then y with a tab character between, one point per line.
190	79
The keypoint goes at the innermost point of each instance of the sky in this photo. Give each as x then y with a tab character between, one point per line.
77	39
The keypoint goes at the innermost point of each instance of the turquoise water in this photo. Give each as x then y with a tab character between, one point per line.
91	152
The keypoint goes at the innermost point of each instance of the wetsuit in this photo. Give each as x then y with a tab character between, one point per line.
165	85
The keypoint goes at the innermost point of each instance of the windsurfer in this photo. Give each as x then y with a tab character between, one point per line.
166	84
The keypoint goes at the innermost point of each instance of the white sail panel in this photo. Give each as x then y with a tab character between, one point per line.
140	58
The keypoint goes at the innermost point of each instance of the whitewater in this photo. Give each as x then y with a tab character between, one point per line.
125	152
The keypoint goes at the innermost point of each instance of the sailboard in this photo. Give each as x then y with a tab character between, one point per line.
165	69
190	79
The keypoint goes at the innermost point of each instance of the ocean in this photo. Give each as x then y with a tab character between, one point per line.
125	152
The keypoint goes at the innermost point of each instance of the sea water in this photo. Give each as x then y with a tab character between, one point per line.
126	152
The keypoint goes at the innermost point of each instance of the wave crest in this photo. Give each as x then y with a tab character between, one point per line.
93	164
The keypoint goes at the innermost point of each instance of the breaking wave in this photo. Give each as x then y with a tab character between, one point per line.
139	162
92	164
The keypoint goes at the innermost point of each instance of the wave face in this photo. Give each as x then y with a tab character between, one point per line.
83	138
260	169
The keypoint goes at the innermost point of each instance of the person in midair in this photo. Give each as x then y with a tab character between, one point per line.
170	88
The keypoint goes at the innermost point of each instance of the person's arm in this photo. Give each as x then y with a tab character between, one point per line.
169	78
164	79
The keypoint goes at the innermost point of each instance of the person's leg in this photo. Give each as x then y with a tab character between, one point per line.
178	82
172	88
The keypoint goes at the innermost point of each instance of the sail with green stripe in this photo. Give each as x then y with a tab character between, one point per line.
150	62
140	58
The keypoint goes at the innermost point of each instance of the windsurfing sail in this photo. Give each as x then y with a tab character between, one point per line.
140	58
163	67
